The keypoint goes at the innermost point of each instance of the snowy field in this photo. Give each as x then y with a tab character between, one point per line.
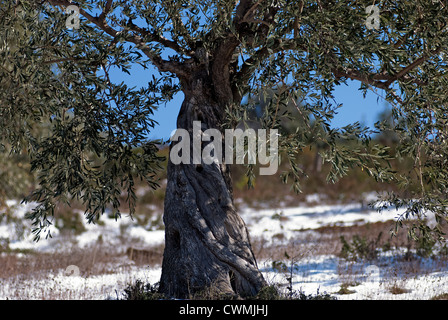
387	276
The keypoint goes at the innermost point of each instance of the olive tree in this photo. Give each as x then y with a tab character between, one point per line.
218	52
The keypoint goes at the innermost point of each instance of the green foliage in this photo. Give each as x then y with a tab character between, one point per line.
425	247
359	248
70	221
86	133
15	178
95	143
141	291
425	240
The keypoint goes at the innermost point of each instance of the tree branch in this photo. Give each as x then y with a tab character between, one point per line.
62	60
152	36
100	22
106	11
220	68
222	55
413	65
243	8
374	79
278	45
179	25
249	13
380	80
370	79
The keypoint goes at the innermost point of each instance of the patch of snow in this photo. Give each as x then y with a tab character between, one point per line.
268	223
323	273
156	237
76	287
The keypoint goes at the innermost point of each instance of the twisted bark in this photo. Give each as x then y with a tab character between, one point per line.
206	241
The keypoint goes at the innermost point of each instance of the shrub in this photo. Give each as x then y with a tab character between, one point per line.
141	291
359	248
300	295
443	296
425	246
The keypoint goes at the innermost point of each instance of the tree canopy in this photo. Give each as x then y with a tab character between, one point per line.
95	140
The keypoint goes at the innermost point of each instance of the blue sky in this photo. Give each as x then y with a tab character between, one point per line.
355	107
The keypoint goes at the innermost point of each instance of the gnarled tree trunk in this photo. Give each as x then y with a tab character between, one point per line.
206	242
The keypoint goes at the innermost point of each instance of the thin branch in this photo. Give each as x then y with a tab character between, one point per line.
257	21
242	9
374	79
109	84
152	36
100	22
413	65
106	11
251	63
380	80
356	75
177	21
397	97
62	60
297	20
250	11
402	40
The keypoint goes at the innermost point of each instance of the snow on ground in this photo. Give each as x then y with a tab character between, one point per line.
365	281
109	231
63	285
290	221
311	274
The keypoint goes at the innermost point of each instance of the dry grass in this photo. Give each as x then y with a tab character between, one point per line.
395	272
38	275
396	289
151	256
92	260
443	296
20	269
101	259
327	241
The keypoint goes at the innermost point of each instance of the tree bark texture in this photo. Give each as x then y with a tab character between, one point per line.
207	243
